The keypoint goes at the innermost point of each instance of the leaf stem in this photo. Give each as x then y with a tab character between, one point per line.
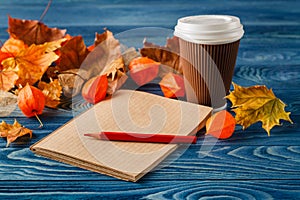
45	11
41	123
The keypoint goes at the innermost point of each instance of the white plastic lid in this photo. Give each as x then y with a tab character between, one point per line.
209	29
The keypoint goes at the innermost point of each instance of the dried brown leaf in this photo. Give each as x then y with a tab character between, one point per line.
72	54
167	55
33	31
13	131
114	85
72	81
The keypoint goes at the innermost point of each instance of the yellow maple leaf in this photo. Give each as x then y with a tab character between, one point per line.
257	103
52	92
13	131
31	63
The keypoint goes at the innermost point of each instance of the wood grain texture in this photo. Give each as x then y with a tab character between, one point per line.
195	163
172	189
250	165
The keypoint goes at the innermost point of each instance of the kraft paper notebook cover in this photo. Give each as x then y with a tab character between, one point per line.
129	111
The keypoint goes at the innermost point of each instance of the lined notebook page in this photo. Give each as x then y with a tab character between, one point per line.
128	111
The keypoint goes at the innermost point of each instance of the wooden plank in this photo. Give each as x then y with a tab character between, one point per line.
229	189
195	163
138	12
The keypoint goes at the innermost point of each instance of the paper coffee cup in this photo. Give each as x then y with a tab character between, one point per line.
208	51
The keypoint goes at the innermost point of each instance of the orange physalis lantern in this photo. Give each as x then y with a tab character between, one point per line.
221	125
143	70
31	101
94	90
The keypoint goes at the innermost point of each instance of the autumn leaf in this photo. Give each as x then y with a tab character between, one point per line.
33	31
7	80
55	45
3	56
115	72
257	103
167	55
72	81
114	85
129	55
31	63
112	68
52	92
72	54
106	59
13	46
106	51
107	38
13	131
8	77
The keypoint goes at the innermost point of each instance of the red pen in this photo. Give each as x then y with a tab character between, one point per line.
139	137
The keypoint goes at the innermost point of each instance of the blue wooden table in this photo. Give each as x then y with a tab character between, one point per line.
250	165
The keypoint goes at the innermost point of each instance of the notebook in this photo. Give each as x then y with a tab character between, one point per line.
127	111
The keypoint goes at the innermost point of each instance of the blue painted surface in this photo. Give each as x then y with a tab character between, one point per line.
250	165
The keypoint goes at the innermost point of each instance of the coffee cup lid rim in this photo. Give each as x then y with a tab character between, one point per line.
209	29
209	22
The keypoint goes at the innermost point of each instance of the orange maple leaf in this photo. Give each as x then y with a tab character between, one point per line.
7	80
13	131
33	31
31	63
7	77
13	46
